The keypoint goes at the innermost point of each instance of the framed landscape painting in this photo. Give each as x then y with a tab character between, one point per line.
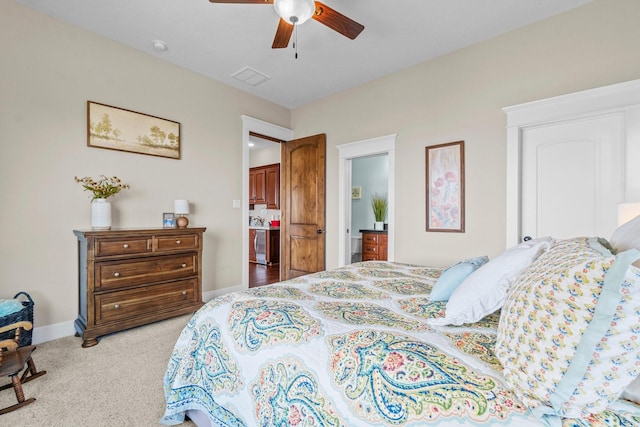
124	130
445	187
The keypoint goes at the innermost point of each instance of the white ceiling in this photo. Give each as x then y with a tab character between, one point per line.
218	40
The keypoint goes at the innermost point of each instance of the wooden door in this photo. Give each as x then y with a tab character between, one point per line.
572	177
303	206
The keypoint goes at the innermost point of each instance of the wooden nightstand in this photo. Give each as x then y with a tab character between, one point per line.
128	278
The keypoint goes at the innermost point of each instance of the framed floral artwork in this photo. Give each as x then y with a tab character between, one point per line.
445	187
124	130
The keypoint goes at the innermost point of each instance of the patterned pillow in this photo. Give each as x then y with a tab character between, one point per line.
569	332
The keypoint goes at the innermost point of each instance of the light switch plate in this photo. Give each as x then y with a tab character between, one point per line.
236	204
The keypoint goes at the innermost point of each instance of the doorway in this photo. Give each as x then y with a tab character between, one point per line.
369	177
251	126
382	146
264	188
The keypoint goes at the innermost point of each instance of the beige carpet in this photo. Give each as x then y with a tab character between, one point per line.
115	383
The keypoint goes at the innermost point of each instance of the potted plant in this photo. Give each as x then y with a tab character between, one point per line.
379	206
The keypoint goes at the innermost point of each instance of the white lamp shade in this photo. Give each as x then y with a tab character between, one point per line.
627	211
181	207
295	11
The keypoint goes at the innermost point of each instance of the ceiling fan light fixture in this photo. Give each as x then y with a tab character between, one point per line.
295	12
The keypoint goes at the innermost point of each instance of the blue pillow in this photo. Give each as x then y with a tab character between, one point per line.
451	278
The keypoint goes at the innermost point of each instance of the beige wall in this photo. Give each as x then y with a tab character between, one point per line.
48	70
460	97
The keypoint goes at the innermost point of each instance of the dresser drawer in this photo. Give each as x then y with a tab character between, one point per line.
177	242
122	305
132	246
118	274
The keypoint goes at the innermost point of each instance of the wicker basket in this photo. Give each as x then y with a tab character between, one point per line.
25	314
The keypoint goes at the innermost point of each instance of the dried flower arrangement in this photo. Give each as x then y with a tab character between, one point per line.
102	187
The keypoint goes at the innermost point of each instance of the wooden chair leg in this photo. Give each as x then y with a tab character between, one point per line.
31	373
17	388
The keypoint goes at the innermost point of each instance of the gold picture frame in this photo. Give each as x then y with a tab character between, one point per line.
445	187
119	129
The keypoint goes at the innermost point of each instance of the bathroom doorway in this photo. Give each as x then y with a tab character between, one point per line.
384	149
369	177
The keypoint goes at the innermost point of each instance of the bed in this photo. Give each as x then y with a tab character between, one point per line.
366	344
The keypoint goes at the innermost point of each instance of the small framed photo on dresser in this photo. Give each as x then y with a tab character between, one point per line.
168	220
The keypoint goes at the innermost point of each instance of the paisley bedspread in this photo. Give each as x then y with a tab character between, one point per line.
346	347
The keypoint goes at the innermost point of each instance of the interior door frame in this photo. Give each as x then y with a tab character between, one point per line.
348	152
250	124
589	103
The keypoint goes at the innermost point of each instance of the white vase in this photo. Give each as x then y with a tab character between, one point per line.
378	225
100	214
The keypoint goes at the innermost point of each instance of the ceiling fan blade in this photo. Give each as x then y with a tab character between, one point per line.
283	35
243	1
337	21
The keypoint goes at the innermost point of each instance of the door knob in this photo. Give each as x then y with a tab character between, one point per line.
320	231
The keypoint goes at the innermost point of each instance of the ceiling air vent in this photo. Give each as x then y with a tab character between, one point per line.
250	76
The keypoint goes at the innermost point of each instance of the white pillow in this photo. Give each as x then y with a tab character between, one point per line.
627	236
485	290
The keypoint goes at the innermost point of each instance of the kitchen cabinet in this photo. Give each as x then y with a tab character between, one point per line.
129	278
374	245
264	186
257	186
252	247
273	246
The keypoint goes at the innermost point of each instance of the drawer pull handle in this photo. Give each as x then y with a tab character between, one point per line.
126	246
184	292
184	265
116	274
178	242
116	306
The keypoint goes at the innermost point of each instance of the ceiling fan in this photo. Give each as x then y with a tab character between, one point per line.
295	12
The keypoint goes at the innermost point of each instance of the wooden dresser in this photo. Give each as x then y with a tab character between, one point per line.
374	245
131	277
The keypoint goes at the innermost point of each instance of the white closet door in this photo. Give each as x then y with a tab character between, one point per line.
572	177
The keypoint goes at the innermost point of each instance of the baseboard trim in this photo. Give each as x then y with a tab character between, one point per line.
208	296
65	329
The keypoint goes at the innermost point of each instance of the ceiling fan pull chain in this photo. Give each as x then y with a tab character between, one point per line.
295	40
